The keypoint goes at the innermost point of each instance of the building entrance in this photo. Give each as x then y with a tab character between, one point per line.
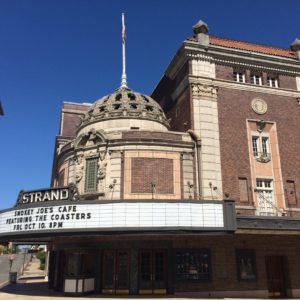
152	272
115	271
275	276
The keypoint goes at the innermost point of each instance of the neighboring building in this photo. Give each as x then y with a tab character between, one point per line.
140	201
242	100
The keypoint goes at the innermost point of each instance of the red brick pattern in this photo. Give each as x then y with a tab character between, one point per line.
146	171
76	106
230	43
224	275
234	107
180	119
284	81
70	124
151	135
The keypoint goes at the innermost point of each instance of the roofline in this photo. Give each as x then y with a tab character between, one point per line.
77	103
252	43
252	53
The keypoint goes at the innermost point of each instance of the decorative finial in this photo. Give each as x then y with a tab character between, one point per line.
124	78
200	27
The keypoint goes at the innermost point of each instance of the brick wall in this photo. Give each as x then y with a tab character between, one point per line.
151	135
284	81
152	170
71	118
234	108
180	119
224	275
70	124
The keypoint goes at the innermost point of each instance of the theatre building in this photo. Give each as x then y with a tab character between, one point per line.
194	190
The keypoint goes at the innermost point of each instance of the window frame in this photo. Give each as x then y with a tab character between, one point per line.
88	175
242	254
190	251
264	192
256	79
261	146
239	76
270	80
79	262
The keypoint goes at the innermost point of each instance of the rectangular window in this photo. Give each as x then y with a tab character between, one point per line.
243	187
261	148
239	76
91	175
265	145
272	82
78	264
256	79
265	198
291	192
255	145
246	264
192	265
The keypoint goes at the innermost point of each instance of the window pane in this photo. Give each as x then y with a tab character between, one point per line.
266	201
91	175
192	265
259	183
235	76
72	266
255	145
265	145
268	184
88	267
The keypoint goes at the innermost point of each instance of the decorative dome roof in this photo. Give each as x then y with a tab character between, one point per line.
124	103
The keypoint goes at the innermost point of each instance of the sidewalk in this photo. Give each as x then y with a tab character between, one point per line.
31	284
32	272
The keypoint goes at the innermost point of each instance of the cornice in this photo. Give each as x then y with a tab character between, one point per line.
231	55
234	57
73	111
243	86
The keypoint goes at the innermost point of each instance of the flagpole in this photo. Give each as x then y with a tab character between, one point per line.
124	78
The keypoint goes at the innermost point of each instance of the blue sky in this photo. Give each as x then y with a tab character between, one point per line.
70	50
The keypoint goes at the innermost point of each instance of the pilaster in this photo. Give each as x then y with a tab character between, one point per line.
206	126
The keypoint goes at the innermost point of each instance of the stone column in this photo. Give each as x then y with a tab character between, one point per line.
114	180
206	125
188	175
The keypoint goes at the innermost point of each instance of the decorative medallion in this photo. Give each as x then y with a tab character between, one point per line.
259	105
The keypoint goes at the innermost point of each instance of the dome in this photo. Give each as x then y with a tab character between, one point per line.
124	103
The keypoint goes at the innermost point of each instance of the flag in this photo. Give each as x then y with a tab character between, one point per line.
123	30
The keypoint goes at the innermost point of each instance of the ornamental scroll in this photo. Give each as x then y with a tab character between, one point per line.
203	90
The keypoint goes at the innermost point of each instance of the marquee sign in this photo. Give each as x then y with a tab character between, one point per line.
51	194
113	215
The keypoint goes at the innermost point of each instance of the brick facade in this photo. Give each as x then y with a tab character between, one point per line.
148	171
177	108
71	118
233	135
151	135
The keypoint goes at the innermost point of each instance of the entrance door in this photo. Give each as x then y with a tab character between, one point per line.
115	272
152	272
275	276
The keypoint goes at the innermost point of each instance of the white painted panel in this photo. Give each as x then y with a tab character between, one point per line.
124	215
89	284
70	286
